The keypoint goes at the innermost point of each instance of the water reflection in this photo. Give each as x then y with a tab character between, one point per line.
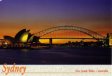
56	56
25	50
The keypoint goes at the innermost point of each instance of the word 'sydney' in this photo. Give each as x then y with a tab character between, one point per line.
13	69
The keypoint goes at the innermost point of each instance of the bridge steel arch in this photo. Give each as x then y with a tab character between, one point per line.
93	34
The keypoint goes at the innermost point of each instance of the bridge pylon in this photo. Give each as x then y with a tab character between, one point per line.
50	41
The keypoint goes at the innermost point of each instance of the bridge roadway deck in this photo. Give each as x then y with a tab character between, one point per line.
70	38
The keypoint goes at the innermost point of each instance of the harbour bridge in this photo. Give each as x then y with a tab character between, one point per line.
92	35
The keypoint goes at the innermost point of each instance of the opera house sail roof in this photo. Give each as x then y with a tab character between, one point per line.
22	36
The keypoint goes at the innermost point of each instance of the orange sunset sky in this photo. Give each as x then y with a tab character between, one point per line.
38	15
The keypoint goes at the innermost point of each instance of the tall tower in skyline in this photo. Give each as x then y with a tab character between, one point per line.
110	39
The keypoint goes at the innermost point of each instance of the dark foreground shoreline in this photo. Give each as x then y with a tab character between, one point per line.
58	55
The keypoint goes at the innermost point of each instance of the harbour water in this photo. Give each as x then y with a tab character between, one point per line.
56	56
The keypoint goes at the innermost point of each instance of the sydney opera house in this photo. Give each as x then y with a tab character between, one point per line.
22	39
